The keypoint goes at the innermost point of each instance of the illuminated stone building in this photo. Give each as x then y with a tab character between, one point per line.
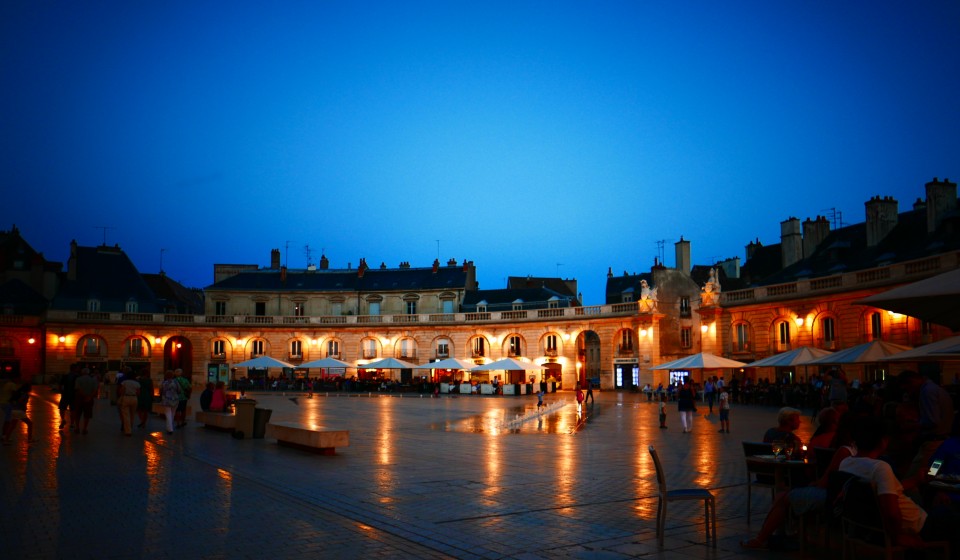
803	291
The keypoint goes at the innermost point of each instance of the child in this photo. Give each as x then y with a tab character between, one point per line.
539	400
724	411
663	412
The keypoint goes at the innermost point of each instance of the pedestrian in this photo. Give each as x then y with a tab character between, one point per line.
66	396
18	413
724	404
86	390
589	392
128	391
169	398
686	405
580	397
539	400
663	411
709	392
180	417
145	398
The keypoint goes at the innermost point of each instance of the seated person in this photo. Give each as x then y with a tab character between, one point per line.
947	457
205	397
788	420
908	523
218	401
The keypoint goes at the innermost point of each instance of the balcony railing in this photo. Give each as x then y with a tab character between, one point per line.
280	321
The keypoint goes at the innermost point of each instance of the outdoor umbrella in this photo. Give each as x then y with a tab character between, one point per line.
508	364
703	360
449	363
795	357
264	362
935	300
388	363
946	349
869	352
326	363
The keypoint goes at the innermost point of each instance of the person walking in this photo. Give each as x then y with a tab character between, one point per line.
86	390
145	398
686	406
709	392
67	391
18	413
185	389
169	398
663	411
589	392
127	390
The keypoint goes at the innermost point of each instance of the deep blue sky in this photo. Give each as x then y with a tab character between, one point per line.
537	138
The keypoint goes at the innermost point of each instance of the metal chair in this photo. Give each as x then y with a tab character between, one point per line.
666	496
758	475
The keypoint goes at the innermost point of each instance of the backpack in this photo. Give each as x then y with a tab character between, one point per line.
185	387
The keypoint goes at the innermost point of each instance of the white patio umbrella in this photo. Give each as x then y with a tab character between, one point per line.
946	349
449	363
795	357
935	299
326	363
703	360
508	364
866	353
388	363
264	362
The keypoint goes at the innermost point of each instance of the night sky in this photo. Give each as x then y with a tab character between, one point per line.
542	138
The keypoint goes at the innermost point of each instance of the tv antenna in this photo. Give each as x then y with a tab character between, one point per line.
836	216
286	257
660	248
104	228
308	253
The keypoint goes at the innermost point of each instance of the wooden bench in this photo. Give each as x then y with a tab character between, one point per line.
307	437
217	420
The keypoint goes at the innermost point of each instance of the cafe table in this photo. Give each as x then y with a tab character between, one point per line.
788	473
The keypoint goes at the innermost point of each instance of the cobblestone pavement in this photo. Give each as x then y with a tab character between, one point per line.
422	478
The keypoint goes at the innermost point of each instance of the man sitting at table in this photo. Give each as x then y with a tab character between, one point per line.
907	522
788	420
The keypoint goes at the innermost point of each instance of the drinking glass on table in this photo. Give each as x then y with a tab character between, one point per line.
788	449
777	448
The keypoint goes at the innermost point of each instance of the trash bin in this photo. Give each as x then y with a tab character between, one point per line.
261	416
245	411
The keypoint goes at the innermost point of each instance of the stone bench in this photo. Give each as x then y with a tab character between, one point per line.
218	420
307	437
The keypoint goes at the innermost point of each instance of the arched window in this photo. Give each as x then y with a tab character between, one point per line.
783	336
742	341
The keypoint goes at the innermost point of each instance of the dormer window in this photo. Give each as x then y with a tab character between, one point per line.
482	306
132	306
93	305
517	305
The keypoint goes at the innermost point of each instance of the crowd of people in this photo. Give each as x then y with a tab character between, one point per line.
889	436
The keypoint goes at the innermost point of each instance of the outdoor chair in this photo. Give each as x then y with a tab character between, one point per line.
863	526
666	496
758	474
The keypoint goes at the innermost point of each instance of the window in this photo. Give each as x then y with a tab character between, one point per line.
685	306
298	309
132	306
411	307
627	297
296	348
256	347
443	348
6	347
93	305
479	347
336	308
686	337
481	308
135	348
553	304
515	349
447	306
220	308
876	326
333	349
260	308
91	346
626	340
517	305
407	348
783	329
373	308
369	347
551	342
219	348
743	337
827	328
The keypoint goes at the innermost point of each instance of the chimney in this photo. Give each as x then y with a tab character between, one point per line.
682	249
361	268
72	261
324	262
383	265
941	200
882	214
814	232
452	262
275	259
283	275
791	244
752	247
436	265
